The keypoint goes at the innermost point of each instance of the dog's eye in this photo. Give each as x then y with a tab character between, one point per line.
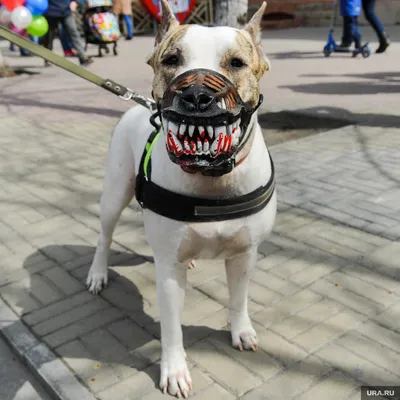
237	63
171	60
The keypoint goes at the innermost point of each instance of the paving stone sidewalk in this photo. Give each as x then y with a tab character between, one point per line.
351	175
324	298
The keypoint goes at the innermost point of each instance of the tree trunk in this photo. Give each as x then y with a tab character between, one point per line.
231	13
5	69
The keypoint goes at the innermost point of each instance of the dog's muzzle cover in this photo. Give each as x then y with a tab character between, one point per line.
205	120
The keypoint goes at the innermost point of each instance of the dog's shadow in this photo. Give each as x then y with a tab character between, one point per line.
128	343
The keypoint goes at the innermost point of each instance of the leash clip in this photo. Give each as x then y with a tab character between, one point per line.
127	95
144	101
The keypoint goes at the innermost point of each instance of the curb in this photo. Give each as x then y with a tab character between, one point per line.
57	380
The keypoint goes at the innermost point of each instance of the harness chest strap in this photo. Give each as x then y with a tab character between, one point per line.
192	209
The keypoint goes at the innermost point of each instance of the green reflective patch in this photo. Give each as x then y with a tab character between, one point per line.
149	149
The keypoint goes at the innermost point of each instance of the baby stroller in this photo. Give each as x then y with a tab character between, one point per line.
100	25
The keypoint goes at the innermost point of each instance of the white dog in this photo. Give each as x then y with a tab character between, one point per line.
216	199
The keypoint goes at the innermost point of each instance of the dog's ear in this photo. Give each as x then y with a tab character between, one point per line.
253	27
168	22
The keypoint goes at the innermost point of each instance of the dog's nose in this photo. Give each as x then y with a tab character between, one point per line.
197	98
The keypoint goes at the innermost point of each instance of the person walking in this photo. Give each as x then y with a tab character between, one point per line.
60	11
350	24
23	52
350	10
369	13
124	7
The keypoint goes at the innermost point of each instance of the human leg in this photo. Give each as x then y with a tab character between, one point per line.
375	22
65	40
129	26
356	33
371	17
49	37
68	23
347	37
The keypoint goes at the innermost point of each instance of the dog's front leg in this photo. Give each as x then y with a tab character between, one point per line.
118	190
171	285
238	272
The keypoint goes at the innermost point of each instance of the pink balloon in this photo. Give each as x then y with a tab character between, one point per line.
19	31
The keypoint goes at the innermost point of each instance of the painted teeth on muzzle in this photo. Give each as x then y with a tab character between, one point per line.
222	104
210	131
173	128
198	140
191	130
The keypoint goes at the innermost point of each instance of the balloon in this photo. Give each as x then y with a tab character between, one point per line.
5	16
37	7
21	17
19	31
38	27
12	4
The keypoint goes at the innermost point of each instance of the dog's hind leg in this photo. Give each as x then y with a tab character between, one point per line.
118	190
238	272
171	285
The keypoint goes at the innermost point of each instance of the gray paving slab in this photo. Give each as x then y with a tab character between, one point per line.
16	381
351	175
325	294
51	372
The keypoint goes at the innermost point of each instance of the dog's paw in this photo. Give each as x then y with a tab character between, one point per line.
192	265
175	376
96	281
244	336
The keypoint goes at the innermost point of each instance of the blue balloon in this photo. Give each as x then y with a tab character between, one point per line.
37	7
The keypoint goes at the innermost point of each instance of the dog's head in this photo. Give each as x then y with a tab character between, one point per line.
206	85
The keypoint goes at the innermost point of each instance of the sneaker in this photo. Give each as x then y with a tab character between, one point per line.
129	38
70	53
87	61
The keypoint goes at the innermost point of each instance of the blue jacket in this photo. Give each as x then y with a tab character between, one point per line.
58	8
349	8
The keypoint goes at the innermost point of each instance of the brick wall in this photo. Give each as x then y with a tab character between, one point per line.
292	13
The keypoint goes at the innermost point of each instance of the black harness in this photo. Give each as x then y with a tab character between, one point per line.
193	209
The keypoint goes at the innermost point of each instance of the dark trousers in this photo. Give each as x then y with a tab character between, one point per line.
68	23
370	16
65	40
351	32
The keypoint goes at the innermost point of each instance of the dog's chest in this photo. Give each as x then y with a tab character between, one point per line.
214	240
225	239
